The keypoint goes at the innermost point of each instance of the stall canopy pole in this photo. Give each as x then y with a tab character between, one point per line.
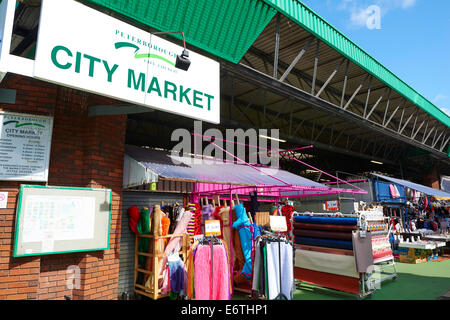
323	172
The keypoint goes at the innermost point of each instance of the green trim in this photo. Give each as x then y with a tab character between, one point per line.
57	252
315	24
57	187
109	220
19	206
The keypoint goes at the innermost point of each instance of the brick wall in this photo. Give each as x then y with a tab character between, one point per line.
85	152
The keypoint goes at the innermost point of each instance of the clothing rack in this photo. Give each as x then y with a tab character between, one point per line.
211	241
276	237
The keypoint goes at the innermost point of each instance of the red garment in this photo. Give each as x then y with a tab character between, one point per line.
287	212
133	218
216	216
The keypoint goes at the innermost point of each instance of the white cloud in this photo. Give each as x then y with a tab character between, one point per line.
446	110
438	100
439	97
408	3
359	13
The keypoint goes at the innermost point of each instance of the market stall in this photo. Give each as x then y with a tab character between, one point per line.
420	216
220	211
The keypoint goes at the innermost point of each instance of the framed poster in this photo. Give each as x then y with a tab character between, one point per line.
25	142
53	220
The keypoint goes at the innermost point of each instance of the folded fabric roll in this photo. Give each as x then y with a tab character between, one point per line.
323	234
330	243
327	220
330	227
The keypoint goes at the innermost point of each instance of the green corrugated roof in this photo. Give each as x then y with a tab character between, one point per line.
311	21
225	28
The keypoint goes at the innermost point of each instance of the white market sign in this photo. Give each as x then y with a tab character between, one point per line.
24	146
82	48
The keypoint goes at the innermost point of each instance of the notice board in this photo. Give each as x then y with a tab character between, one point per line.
51	220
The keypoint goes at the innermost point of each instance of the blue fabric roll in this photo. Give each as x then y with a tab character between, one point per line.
327	220
328	243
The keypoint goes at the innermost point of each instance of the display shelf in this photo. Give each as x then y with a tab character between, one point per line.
383	259
155	255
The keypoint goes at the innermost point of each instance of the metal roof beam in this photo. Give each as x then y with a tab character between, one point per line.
296	60
300	96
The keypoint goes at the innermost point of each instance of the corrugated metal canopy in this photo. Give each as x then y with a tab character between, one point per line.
222	27
192	169
316	25
415	186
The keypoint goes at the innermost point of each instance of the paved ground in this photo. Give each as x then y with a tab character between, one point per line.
425	281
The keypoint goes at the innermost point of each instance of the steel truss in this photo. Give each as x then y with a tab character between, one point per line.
395	121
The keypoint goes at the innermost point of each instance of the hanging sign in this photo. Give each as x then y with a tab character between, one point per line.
106	56
278	223
212	227
332	205
25	146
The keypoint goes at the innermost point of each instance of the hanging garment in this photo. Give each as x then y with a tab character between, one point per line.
175	216
207	212
242	224
144	227
254	205
166	281
274	211
174	244
194	226
178	275
165	225
202	273
287	212
394	191
256	267
190	270
133	218
276	253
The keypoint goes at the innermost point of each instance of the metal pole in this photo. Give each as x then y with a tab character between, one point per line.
277	47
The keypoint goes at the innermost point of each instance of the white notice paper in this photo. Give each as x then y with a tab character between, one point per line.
3	200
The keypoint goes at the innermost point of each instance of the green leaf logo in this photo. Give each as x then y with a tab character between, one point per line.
18	125
137	55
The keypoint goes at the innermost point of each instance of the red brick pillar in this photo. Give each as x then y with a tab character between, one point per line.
85	152
104	141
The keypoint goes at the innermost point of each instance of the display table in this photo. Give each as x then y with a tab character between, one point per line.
437	237
418	245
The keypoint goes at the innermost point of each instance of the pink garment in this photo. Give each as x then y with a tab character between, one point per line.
202	273
166	281
394	191
174	242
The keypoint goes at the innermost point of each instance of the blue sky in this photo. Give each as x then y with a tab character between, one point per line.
413	41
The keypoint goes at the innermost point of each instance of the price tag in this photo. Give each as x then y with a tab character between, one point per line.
212	227
198	237
278	223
